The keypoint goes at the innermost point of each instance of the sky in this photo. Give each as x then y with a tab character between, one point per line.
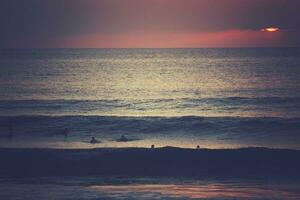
148	23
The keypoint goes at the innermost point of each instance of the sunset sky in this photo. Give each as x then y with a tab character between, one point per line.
148	23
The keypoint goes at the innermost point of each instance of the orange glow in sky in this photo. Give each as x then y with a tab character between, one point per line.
156	39
271	29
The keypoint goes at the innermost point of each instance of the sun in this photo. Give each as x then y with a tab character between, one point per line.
270	29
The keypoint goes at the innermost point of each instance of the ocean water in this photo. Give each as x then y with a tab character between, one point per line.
99	188
215	98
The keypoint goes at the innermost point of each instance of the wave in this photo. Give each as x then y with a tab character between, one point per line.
117	101
134	162
227	106
193	125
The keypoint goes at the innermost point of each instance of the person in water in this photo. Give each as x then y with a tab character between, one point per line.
66	132
123	138
94	141
10	131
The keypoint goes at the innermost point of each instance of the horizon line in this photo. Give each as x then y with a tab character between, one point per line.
45	48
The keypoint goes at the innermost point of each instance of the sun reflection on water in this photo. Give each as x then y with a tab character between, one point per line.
207	191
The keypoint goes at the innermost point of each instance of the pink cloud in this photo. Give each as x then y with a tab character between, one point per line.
229	38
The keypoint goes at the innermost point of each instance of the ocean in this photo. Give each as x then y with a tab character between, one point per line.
214	98
99	188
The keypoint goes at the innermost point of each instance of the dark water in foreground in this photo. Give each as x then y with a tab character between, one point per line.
143	173
96	188
237	97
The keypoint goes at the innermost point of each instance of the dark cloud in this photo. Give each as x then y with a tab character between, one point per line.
24	22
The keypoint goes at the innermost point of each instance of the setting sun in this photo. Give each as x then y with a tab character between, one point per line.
270	29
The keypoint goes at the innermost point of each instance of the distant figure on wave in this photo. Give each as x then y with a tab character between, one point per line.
123	138
152	146
10	131
94	141
198	147
66	132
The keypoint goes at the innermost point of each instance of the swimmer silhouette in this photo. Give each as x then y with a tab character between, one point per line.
94	141
10	131
123	138
66	132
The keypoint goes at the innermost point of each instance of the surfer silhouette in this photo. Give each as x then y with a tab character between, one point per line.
66	132
94	141
123	138
10	131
